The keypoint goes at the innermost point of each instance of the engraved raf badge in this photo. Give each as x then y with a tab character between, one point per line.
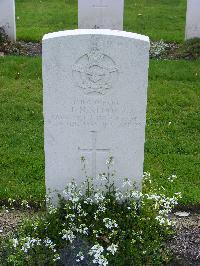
95	71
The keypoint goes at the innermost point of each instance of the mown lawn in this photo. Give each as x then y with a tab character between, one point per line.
159	19
172	135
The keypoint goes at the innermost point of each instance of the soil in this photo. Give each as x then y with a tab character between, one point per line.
185	246
19	47
11	219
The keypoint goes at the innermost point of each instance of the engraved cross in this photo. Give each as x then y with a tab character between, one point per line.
101	6
94	151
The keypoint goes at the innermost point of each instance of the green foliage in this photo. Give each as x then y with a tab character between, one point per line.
163	19
103	227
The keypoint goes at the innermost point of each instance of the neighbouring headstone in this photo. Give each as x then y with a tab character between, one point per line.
95	96
7	18
193	19
100	14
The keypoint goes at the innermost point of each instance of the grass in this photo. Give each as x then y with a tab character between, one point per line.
21	129
172	134
159	19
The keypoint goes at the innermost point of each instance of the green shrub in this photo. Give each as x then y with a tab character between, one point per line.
97	227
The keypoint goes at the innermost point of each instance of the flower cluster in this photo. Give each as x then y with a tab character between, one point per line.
26	245
110	224
97	252
158	48
117	226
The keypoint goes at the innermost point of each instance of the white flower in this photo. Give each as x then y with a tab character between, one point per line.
15	242
56	257
102	177
160	219
29	243
70	216
79	208
127	182
68	235
152	197
99	197
74	199
101	260
119	195
112	249
146	175
83	229
101	208
48	243
79	256
97	251
51	209
172	178
88	200
164	221
25	204
136	195
110	223
163	212
72	193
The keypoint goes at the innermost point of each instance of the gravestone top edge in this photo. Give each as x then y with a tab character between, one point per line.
104	32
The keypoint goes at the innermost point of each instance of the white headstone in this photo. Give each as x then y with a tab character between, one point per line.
95	96
100	14
193	19
7	18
